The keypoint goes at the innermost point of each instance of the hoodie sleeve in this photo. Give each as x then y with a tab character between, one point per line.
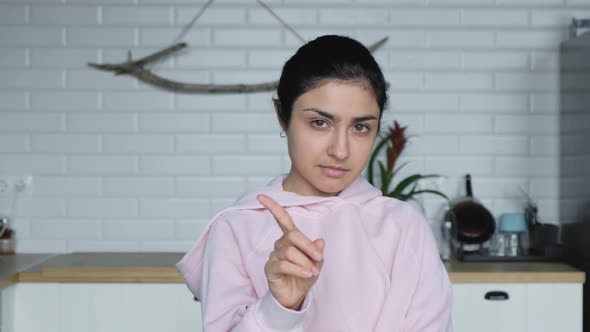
229	301
430	307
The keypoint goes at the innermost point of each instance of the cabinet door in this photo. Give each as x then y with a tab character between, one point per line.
473	312
105	308
517	307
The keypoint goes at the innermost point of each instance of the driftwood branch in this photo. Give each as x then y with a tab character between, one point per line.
137	70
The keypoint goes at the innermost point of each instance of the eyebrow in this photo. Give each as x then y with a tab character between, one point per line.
332	116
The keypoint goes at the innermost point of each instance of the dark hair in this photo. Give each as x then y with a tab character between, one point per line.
324	59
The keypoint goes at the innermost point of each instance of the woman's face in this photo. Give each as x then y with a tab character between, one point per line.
330	136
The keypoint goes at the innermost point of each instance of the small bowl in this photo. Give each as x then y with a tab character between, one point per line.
512	223
7	246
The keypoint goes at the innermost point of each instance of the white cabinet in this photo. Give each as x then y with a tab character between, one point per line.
517	307
94	307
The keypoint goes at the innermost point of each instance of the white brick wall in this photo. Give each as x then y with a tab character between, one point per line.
119	165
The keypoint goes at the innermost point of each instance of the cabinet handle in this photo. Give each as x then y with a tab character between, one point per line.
496	296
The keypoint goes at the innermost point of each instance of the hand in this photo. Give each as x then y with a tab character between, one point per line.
296	261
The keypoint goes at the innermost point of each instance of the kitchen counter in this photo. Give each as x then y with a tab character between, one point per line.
160	268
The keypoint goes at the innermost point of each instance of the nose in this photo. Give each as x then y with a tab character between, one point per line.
339	146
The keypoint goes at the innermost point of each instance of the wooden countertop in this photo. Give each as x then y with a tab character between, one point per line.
160	268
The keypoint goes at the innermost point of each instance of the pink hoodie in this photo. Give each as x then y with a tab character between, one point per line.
381	271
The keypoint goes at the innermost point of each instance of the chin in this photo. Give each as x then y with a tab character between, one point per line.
333	186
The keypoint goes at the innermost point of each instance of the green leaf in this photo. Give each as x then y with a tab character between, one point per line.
413	179
385	177
378	147
430	191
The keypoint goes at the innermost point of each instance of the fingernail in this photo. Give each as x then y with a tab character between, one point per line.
317	255
307	274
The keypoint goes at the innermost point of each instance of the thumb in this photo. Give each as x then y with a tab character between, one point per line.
320	244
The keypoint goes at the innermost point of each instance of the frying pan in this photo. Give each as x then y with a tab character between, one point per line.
471	222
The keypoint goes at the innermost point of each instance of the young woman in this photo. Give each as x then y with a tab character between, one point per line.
320	249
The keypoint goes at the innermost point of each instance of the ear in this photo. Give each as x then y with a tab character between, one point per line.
277	105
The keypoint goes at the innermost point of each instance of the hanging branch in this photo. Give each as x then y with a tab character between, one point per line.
137	70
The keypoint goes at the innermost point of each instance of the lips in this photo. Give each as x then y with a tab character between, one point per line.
333	171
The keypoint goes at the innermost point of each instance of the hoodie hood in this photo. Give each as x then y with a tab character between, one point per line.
358	192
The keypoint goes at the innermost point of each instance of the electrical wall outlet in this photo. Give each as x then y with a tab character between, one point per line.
20	185
13	188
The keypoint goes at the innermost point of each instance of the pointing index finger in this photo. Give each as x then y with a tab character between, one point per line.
281	216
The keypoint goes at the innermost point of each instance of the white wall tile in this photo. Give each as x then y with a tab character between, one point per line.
455	166
94	79
102	208
101	122
522	124
456	124
64	101
13	100
529	39
242	165
496	60
42	207
101	164
138	230
293	16
175	165
102	246
123	15
207	187
13	14
31	164
246	123
100	36
138	186
189	229
174	122
545	146
66	186
460	39
63	57
64	229
359	16
527	81
423	60
211	143
182	207
163	37
66	143
208	59
30	36
209	103
13	57
28	122
139	143
63	15
213	16
137	101
247	37
29	78
263	144
14	143
494	145
492	17
523	166
463	82
495	102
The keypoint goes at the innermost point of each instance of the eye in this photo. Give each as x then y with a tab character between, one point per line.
319	123
361	128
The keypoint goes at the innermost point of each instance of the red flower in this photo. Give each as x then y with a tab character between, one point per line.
397	142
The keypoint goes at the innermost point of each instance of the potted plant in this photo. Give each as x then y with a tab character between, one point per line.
394	143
